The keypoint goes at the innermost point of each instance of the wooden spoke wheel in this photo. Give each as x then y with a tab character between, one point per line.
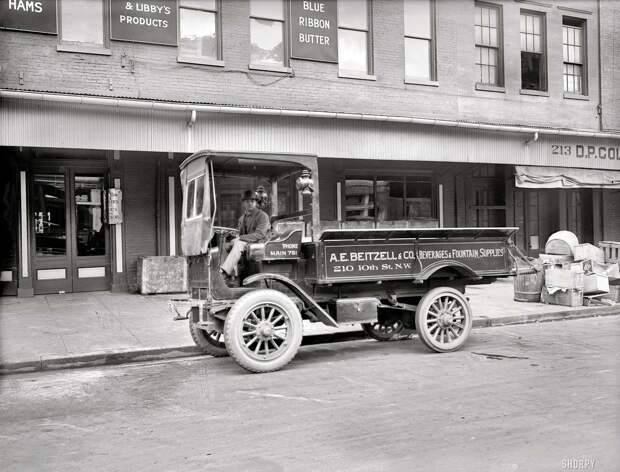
443	319
383	331
209	341
263	330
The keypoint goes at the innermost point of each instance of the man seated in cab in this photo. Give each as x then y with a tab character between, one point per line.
253	228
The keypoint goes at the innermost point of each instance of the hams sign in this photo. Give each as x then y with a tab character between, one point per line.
24	15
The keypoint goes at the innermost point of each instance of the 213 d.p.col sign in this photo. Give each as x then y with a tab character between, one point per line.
314	30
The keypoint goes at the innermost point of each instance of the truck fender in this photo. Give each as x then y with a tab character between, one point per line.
462	269
313	306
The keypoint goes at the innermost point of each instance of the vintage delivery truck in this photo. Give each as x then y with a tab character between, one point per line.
387	279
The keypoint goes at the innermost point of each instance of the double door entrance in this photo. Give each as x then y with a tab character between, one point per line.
70	240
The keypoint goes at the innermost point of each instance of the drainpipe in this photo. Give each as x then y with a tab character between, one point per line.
599	108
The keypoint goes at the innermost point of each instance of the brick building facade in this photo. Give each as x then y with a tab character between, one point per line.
434	141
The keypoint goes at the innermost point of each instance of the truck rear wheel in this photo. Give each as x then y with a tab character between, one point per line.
210	342
263	330
383	331
443	319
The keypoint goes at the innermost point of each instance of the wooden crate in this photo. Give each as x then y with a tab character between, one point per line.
611	250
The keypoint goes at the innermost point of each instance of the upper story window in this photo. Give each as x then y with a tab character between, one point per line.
419	41
267	33
533	57
199	29
489	62
574	53
354	37
81	22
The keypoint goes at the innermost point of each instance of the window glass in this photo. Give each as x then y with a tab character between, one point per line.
82	21
189	210
267	41
197	35
573	52
533	70
353	14
359	199
200	194
90	232
272	9
417	58
353	51
418	18
201	4
48	207
393	199
488	45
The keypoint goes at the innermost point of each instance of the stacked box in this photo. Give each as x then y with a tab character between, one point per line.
564	279
583	252
562	297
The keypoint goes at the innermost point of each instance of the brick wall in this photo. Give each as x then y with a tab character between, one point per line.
156	74
610	65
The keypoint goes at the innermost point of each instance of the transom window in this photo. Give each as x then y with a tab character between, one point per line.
199	29
354	37
573	47
267	32
419	46
533	60
488	44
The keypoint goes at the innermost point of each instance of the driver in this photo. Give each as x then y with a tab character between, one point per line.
253	228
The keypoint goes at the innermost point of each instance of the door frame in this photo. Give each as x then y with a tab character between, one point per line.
70	262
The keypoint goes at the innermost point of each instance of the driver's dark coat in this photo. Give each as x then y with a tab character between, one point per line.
253	227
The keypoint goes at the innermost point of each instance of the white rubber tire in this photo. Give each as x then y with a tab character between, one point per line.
431	333
234	331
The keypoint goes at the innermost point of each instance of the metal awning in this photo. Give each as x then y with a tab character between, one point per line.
565	177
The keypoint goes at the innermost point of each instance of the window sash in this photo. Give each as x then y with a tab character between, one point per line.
532	33
86	26
193	47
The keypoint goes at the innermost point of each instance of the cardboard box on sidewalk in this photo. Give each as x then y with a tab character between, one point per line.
588	251
584	266
564	279
562	297
613	295
595	283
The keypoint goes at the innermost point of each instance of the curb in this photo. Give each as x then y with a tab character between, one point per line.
122	357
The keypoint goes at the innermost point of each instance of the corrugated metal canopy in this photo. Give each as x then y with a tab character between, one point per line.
563	177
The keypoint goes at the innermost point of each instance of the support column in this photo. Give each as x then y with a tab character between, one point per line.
25	288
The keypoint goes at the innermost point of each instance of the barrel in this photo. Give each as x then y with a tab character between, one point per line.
527	286
561	243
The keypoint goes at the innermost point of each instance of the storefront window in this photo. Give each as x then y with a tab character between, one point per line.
393	199
48	206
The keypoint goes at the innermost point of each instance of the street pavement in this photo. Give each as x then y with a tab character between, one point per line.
86	329
535	397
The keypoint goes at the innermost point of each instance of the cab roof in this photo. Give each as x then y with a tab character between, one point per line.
260	163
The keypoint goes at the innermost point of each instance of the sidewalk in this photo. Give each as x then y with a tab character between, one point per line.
58	331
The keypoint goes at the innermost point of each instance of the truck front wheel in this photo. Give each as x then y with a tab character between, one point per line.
263	330
443	319
209	342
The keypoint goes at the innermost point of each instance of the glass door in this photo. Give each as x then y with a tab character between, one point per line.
70	238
